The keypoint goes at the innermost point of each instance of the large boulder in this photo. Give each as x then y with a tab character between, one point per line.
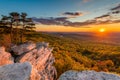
17	71
41	58
5	57
88	75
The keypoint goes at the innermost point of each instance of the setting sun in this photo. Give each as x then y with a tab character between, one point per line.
102	30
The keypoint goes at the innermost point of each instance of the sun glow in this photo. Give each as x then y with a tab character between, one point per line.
102	30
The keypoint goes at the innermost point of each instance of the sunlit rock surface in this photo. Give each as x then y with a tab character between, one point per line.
28	61
5	57
35	74
17	71
88	75
40	57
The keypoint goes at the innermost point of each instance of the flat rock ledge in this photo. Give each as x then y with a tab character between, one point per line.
88	75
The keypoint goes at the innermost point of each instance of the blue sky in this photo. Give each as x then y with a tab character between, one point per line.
67	15
55	8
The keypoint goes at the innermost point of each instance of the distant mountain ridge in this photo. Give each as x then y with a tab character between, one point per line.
109	38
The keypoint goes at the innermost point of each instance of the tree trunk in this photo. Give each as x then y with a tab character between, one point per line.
11	35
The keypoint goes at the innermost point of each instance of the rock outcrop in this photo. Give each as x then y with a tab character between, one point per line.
40	60
88	75
40	57
5	57
17	71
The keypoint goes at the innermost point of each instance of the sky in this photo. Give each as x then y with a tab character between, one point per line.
68	15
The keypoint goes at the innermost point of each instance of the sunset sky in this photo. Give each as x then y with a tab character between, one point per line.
68	15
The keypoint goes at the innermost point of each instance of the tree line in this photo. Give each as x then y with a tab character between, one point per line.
16	24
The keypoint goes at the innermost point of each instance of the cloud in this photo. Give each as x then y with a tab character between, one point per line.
64	22
52	21
73	14
113	16
80	24
108	18
116	8
115	12
92	22
104	17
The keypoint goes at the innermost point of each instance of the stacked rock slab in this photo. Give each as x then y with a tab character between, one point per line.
88	75
40	57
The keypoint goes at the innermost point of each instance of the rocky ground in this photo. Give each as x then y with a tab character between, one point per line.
30	61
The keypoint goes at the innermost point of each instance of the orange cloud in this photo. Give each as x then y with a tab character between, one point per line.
92	28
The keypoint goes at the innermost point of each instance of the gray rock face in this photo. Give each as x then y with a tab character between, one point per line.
40	57
23	48
17	71
88	75
5	57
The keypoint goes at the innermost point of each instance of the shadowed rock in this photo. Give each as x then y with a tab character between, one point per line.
88	75
23	48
